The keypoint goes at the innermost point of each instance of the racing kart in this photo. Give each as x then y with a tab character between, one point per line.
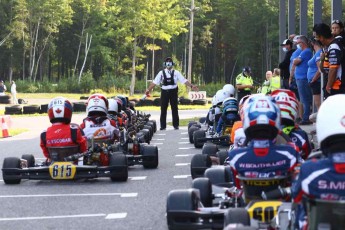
68	164
214	203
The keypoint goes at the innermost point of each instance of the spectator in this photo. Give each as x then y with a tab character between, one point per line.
265	88
168	78
244	83
337	28
300	74
275	80
332	60
285	64
321	179
14	92
2	88
314	73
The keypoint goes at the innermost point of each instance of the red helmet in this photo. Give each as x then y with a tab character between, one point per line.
97	104
60	110
287	102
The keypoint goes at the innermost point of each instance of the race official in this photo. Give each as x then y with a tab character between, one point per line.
167	79
244	83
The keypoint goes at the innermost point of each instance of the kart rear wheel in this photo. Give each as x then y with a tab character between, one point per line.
154	125
204	186
191	130
181	200
199	164
219	176
148	127
11	162
190	123
197	135
119	174
30	159
150	123
222	155
209	149
150	156
236	216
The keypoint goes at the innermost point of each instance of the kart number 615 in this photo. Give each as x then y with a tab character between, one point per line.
62	170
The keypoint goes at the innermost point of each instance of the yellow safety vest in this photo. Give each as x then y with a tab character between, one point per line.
241	79
275	82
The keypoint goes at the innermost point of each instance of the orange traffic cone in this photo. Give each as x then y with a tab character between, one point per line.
4	128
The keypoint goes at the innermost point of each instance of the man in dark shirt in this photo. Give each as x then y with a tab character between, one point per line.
284	65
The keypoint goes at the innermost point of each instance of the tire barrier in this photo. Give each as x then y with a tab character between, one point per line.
14	109
5	99
31	109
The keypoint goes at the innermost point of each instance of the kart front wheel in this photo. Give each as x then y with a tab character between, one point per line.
120	173
150	156
205	188
11	163
199	164
30	159
236	216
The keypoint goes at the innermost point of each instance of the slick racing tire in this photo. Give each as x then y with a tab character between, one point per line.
148	127
31	109
191	130
10	162
197	135
190	123
14	109
121	173
205	189
220	176
236	216
150	156
181	200
154	125
199	164
30	159
209	149
222	155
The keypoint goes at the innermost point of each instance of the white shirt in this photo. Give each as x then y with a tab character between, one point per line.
177	77
13	88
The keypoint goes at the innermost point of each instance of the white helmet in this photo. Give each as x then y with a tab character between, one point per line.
97	104
230	89
113	106
287	102
330	121
220	96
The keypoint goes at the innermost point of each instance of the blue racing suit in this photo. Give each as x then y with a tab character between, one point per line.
228	120
262	159
320	179
299	138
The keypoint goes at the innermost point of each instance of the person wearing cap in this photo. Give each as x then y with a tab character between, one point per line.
168	78
2	88
14	92
337	28
284	65
244	83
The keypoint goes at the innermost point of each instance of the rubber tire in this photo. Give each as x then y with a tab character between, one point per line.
14	109
209	149
146	133
191	130
204	186
31	109
154	125
196	135
190	123
185	101
44	108
150	151
11	162
198	165
150	129
118	159
157	101
222	155
30	159
219	175
79	106
236	216
84	97
200	102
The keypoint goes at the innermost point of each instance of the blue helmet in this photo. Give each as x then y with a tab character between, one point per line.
230	105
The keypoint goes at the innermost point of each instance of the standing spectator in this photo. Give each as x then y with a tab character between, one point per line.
300	74
275	80
332	60
284	66
337	28
168	78
314	73
2	88
244	83
14	92
265	88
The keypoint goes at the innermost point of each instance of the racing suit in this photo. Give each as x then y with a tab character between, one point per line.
62	135
227	120
213	116
262	159
299	138
319	179
100	128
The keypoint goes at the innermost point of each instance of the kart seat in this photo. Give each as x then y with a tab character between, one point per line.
253	187
325	214
59	153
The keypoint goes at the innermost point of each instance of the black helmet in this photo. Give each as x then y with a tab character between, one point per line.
247	69
168	59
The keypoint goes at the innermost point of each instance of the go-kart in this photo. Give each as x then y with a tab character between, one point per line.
214	203
68	164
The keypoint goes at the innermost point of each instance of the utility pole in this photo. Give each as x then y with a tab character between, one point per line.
190	50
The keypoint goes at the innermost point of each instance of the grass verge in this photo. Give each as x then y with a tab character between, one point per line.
14	132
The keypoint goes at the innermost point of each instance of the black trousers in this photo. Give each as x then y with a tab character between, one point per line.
242	93
169	95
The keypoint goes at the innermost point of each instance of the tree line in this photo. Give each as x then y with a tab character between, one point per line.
66	40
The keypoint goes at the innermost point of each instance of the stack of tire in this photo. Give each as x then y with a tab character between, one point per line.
26	109
5	99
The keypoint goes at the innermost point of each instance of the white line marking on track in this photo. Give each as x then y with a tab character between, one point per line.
184	133
181	176
137	177
66	195
183	142
186	148
158	143
119	215
182	164
158	139
160	134
184	138
184	155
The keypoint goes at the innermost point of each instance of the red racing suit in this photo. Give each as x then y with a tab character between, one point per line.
100	128
62	135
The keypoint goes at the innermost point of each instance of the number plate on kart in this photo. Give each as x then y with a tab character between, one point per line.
62	170
263	211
